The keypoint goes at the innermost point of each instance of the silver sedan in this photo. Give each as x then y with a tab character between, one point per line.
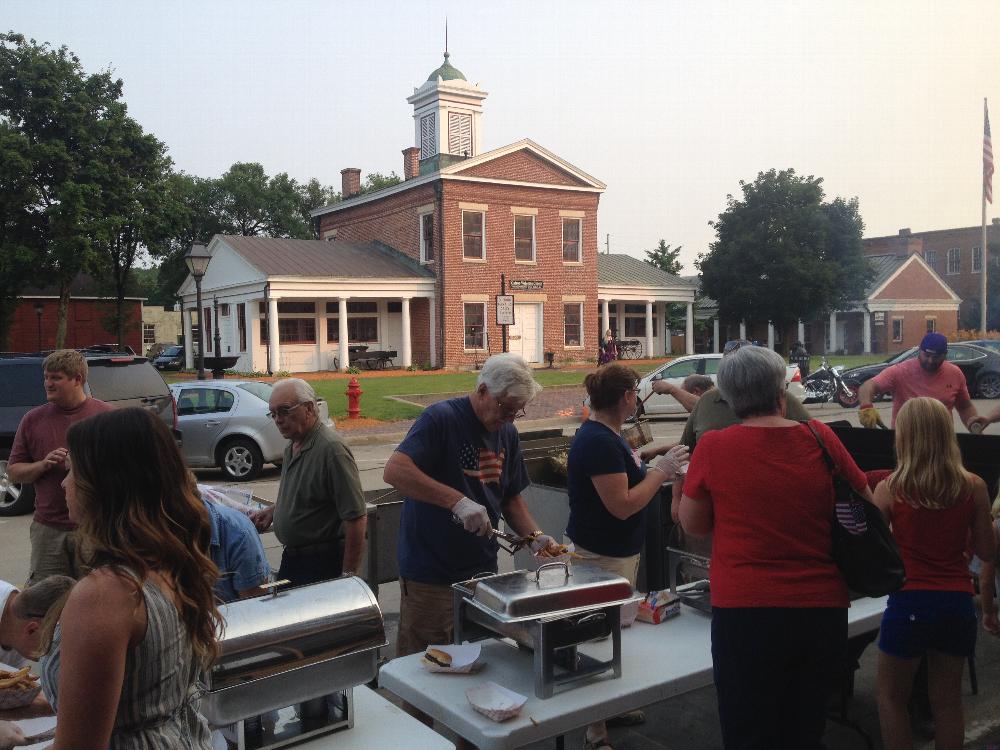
224	423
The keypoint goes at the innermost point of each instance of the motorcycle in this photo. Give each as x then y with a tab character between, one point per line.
827	384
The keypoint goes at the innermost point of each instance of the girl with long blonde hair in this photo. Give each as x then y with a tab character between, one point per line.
935	507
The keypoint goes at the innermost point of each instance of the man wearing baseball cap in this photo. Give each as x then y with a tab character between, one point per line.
927	374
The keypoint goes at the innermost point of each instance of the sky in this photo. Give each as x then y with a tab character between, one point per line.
670	103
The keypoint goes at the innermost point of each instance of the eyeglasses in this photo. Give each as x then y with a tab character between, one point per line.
507	412
284	411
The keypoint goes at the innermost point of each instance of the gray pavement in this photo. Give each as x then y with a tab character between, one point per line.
688	721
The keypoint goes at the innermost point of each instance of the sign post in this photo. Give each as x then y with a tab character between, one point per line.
504	310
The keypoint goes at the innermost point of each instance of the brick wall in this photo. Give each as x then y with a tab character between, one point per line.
523	166
914	283
87	322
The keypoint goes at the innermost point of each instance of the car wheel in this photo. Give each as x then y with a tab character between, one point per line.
988	385
848	400
15	499
241	459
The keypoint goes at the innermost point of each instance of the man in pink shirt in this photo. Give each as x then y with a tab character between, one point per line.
38	457
927	374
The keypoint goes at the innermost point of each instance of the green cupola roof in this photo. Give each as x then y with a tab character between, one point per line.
447	72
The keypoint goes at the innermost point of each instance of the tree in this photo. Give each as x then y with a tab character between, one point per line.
250	203
376	181
46	98
782	254
664	258
314	195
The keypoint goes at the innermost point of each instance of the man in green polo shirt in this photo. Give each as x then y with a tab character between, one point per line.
319	515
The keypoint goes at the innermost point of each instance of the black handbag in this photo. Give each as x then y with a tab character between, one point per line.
863	546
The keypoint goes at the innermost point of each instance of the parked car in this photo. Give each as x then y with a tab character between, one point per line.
119	379
225	424
696	364
171	358
981	367
993	344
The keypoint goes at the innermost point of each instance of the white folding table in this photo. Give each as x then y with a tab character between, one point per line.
658	662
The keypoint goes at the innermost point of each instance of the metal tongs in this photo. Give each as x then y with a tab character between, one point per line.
510	543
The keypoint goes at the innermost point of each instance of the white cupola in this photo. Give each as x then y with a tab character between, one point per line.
447	114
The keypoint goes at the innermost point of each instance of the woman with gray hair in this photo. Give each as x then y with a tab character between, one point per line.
779	603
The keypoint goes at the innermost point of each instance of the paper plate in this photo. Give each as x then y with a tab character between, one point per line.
464	659
495	701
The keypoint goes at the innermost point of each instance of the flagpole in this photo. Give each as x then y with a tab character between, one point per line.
987	193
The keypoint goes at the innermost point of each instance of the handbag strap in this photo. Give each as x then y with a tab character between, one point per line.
827	458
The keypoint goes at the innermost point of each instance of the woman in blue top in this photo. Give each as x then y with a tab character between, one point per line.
610	486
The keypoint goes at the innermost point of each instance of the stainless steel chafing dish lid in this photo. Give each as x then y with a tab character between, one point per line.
299	627
554	590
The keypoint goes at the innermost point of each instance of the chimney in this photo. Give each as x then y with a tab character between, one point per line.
905	232
411	162
351	182
996	221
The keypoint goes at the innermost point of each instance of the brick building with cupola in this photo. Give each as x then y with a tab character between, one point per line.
415	268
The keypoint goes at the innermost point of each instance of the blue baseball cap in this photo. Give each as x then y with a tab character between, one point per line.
934	343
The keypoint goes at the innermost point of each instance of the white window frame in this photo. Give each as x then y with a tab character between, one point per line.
423	245
465	325
579	241
955	252
626	316
534	258
977	260
582	333
892	333
930	323
482	258
930	257
148	333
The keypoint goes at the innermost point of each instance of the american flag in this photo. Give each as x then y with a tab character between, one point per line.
480	463
987	155
851	516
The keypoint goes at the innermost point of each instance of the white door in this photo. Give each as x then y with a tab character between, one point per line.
525	336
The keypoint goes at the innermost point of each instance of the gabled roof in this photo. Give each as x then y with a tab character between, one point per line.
885	267
617	269
285	257
525	144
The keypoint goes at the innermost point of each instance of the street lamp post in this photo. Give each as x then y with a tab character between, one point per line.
217	336
197	260
39	309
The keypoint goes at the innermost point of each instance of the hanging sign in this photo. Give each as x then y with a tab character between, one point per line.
505	309
878	318
526	286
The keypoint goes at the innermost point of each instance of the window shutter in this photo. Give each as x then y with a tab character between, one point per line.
460	134
427	146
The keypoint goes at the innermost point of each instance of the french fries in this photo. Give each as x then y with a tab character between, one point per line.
553	550
19	680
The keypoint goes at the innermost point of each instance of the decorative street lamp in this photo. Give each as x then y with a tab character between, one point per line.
218	338
197	260
39	309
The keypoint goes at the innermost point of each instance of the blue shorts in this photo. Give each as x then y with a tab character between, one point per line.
916	622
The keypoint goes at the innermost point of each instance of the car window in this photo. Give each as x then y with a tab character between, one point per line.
712	365
173	351
260	390
680	369
23	385
204	401
963	354
119	381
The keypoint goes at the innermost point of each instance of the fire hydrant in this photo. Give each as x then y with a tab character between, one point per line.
353	394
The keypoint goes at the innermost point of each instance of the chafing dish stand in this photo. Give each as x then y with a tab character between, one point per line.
549	612
288	661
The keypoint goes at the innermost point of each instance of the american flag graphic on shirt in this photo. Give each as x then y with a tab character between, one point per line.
482	464
851	516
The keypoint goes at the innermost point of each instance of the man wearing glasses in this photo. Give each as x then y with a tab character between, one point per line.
319	515
460	468
927	374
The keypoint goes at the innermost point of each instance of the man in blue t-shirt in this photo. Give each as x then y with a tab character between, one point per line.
460	468
237	552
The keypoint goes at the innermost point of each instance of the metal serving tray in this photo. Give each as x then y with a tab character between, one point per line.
555	590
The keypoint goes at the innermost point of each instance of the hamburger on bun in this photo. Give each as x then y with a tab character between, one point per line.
438	658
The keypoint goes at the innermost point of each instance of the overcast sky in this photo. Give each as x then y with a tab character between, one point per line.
669	103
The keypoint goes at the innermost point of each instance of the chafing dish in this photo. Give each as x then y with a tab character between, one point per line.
550	611
299	646
688	561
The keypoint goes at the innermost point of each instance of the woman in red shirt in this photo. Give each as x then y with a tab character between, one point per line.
779	603
935	507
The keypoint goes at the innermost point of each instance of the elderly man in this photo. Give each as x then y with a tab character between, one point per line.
320	512
38	457
21	616
460	468
927	374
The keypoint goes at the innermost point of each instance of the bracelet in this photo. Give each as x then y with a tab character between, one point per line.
535	534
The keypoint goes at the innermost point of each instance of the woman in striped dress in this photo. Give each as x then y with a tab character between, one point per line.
136	633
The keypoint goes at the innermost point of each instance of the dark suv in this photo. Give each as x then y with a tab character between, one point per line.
121	380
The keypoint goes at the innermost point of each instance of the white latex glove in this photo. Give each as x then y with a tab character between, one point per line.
671	462
473	516
540	542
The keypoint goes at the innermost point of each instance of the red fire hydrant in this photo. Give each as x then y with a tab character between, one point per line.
353	394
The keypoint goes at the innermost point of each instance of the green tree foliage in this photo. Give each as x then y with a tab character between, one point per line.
665	258
249	203
782	253
377	181
312	195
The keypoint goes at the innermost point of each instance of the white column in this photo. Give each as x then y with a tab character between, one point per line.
433	330
188	348
274	346
802	332
833	332
866	332
770	335
345	359
743	329
715	336
605	319
668	338
322	355
407	361
649	328
689	331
